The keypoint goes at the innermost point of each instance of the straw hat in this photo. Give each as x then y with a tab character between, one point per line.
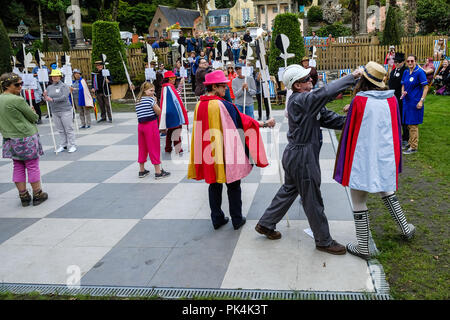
375	73
304	59
215	77
56	73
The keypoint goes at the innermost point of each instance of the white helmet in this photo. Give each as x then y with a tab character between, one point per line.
292	73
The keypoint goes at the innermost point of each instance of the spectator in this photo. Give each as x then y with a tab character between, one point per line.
231	74
57	95
100	88
203	69
159	81
155	45
20	139
395	83
36	97
182	40
209	42
414	92
235	47
441	78
198	43
429	70
314	41
247	37
268	40
330	39
313	73
177	68
190	44
390	57
439	49
244	87
162	43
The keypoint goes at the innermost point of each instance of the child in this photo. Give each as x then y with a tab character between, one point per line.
147	112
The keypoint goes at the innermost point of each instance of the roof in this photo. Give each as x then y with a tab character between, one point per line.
218	12
185	17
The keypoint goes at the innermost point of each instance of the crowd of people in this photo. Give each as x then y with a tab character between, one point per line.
382	119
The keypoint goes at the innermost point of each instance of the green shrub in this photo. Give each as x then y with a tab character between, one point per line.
315	14
106	40
137	45
87	31
6	52
46	44
65	44
286	23
336	29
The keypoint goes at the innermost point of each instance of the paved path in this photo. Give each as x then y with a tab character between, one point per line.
117	229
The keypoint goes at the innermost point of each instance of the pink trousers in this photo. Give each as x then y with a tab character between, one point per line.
148	142
32	168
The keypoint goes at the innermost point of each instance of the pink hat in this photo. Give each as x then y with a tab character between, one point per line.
215	77
169	74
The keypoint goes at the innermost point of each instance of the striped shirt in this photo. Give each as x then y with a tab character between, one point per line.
144	109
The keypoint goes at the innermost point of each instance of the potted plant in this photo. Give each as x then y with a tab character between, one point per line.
175	31
252	27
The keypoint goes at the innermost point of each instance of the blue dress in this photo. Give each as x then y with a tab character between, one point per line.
413	84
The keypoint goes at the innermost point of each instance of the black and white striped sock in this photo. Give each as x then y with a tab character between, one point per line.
392	204
361	248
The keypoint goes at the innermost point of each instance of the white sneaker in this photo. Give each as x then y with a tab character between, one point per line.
72	149
60	149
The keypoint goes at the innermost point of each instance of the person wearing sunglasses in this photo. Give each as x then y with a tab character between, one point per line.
414	91
21	139
307	114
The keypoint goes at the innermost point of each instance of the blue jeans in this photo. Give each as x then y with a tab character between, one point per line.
236	55
248	110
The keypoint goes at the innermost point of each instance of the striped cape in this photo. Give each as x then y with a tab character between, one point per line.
225	143
369	153
173	113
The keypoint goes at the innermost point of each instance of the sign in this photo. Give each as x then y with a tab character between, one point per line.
247	71
42	75
312	63
258	65
183	72
67	71
28	81
105	73
150	74
280	74
17	71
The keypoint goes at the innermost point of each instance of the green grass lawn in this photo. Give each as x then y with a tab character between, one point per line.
418	269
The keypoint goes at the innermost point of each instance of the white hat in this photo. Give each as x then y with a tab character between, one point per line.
293	73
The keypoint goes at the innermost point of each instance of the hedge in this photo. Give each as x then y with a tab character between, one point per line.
6	52
106	40
315	14
392	27
336	29
286	23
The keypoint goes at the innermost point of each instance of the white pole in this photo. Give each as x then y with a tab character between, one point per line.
245	78
109	98
75	112
50	120
187	126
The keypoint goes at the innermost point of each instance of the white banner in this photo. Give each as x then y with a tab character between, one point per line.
42	75
28	81
150	74
280	74
105	73
183	72
246	71
217	65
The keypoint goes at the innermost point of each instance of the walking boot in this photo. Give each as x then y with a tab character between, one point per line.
361	247
39	197
25	198
392	204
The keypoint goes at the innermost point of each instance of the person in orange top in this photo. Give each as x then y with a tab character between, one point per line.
231	74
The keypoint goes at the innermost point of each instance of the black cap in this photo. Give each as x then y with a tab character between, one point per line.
399	57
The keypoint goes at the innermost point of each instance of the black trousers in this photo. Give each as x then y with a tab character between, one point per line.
37	108
105	108
405	130
266	104
234	201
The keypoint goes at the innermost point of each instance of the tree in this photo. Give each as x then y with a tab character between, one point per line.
353	6
315	14
202	6
392	28
6	52
433	15
106	40
286	23
411	20
59	6
115	8
139	16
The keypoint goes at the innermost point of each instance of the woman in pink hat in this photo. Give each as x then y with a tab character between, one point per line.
219	152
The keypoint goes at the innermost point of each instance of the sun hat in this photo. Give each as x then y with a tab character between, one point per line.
304	59
169	74
375	73
293	73
56	73
76	71
215	77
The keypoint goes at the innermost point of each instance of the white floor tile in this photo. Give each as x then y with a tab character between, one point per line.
102	139
114	153
6	171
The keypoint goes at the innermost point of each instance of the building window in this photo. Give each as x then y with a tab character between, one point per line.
164	34
275	9
263	10
224	19
286	9
246	15
156	34
211	20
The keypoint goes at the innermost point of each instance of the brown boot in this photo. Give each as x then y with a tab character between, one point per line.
25	198
333	248
39	197
269	233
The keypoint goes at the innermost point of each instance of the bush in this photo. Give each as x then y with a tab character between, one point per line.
6	52
106	40
65	44
46	44
392	27
433	15
286	23
137	45
87	31
336	29
315	14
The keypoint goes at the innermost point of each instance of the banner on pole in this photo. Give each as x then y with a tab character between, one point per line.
43	75
183	72
280	74
150	74
28	81
105	73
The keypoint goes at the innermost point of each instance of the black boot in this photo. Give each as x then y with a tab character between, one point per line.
39	197
25	198
391	202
